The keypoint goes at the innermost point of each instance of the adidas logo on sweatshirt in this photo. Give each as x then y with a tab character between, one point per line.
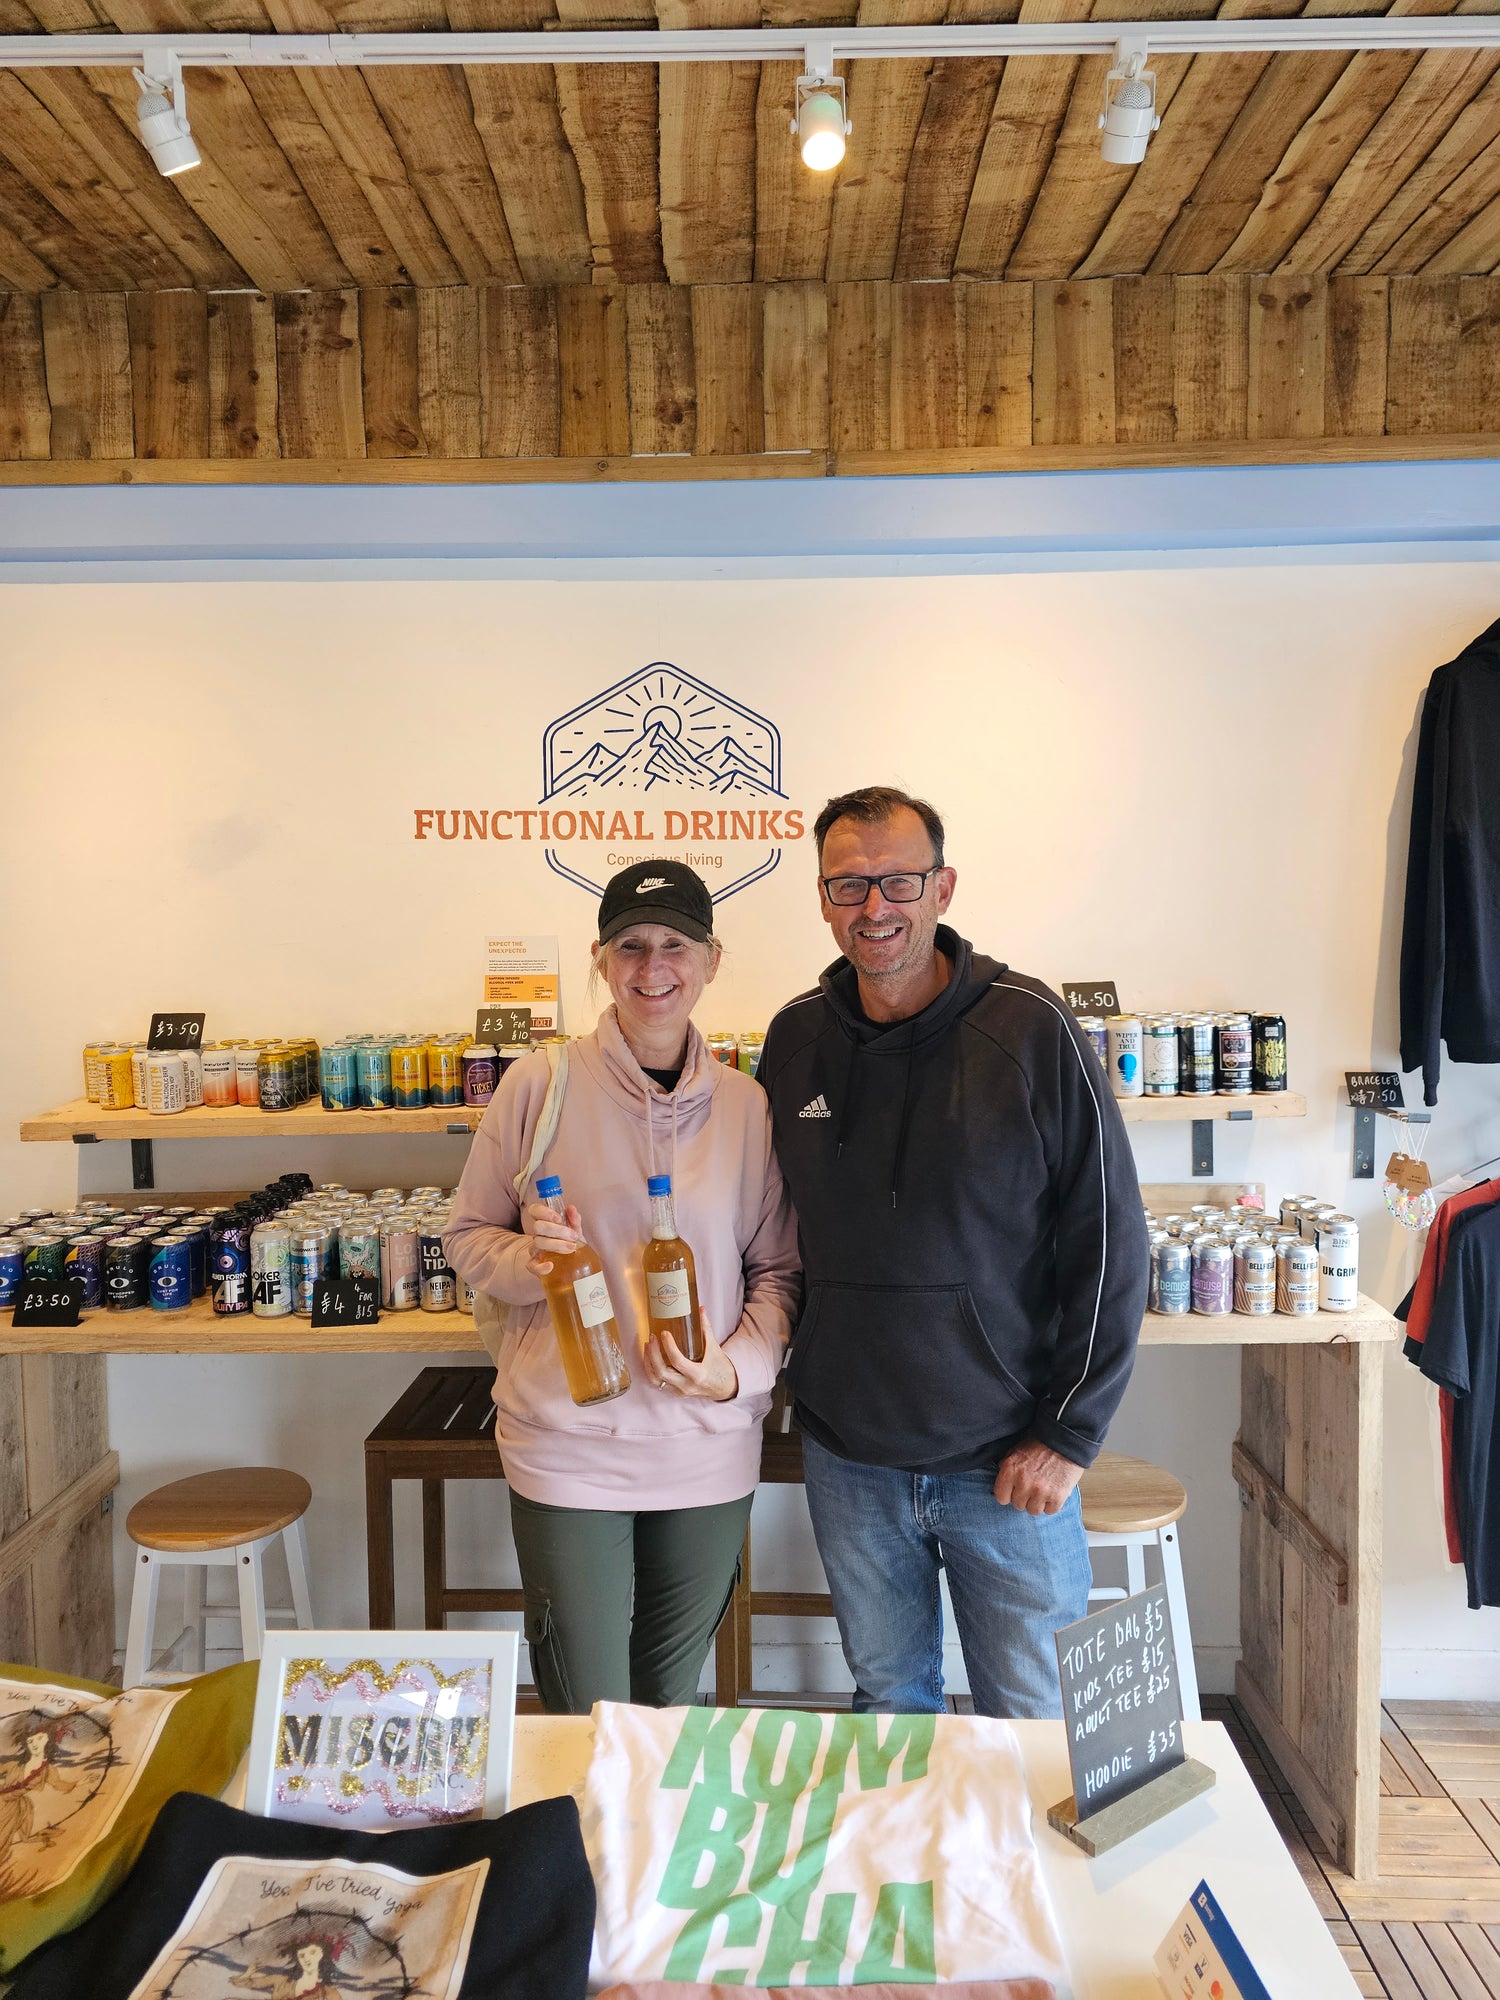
817	1109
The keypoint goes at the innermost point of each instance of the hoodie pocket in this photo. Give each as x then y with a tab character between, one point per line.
904	1375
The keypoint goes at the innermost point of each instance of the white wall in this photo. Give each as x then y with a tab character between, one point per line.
206	800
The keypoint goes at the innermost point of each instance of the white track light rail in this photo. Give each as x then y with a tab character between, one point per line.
648	45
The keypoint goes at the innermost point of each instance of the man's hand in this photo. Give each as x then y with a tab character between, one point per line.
1035	1479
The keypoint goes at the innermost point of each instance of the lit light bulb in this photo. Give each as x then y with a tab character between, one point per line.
821	130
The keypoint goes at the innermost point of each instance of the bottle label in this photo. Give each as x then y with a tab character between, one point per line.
669	1294
592	1294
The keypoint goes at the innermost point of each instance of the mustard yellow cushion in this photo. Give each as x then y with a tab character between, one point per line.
84	1770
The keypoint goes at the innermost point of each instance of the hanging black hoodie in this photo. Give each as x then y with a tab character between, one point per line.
970	1221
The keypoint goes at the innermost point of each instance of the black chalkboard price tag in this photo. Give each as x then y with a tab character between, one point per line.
1092	996
48	1302
1375	1089
1122	1706
504	1027
175	1031
345	1302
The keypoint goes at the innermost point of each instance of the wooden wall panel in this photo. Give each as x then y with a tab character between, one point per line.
609	115
320	410
885	375
243	398
25	413
86	344
519	403
169	373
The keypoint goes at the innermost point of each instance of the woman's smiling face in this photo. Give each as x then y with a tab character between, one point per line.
656	977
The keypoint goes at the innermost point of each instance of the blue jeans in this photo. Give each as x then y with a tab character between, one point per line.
1014	1579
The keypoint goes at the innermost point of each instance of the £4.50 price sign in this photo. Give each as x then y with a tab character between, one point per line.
1092	996
1121	1700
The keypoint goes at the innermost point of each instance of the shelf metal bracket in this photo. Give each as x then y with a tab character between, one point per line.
1203	1149
1364	1145
142	1164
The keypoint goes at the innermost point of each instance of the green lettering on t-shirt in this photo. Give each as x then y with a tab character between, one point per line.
716	1823
903	1916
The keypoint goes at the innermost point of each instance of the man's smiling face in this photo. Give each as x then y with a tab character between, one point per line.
881	939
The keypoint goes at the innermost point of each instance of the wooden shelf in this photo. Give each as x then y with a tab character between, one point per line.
1165	1110
199	1330
82	1120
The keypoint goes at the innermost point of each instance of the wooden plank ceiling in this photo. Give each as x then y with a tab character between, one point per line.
1371	165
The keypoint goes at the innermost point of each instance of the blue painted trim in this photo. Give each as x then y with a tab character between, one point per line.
970	524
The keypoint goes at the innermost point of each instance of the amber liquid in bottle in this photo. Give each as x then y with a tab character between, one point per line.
671	1281
582	1316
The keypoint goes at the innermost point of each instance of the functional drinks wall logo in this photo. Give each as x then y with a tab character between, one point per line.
660	763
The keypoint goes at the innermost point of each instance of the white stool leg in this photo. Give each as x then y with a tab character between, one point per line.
1177	1611
193	1618
294	1541
1135	1565
247	1560
142	1618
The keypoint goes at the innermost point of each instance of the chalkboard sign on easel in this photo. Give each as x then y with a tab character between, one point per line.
1122	1707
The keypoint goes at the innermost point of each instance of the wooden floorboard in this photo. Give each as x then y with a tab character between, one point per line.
1429	1927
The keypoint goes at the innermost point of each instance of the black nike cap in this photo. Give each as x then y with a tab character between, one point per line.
657	892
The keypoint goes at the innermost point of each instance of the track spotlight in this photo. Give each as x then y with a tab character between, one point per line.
161	113
819	121
1129	115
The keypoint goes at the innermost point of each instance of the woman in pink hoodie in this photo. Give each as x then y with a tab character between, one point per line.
629	1515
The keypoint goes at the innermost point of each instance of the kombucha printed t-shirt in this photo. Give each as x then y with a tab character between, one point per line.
769	1847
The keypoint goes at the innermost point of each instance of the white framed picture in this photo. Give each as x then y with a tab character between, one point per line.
383	1730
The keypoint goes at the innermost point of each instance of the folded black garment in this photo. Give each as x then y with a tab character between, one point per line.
222	1904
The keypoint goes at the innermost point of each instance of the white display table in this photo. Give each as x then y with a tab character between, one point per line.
1112	1913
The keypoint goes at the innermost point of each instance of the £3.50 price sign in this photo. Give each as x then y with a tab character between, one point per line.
175	1031
1121	1700
48	1302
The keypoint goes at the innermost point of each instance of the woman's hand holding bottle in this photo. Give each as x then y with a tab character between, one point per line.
712	1378
552	1235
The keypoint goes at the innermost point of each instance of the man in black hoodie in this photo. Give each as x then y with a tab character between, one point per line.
976	1265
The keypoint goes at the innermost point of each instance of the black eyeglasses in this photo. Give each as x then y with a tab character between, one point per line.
849	890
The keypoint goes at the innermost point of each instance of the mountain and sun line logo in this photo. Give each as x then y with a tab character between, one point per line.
659	764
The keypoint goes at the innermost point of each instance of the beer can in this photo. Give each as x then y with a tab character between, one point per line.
1195	1055
192	1077
1232	1055
723	1049
1338	1264
445	1073
749	1049
220	1079
1314	1214
1124	1051
85	1260
195	1231
116	1087
125	1262
229	1265
247	1072
1254	1277
90	1067
270	1271
1267	1053
480	1063
166	1085
409	1076
439	1286
44	1253
170	1278
1213	1276
1296	1278
1159	1056
338	1078
308	1261
400	1266
359	1250
12	1267
1172	1276
465	1296
375	1076
1289	1212
279	1082
1091	1027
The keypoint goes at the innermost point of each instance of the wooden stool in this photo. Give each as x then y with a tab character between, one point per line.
442	1428
1130	1504
215	1519
734	1674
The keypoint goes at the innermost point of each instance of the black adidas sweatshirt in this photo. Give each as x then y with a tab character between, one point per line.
970	1221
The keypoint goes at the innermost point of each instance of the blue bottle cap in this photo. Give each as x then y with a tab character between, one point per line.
659	1184
548	1186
